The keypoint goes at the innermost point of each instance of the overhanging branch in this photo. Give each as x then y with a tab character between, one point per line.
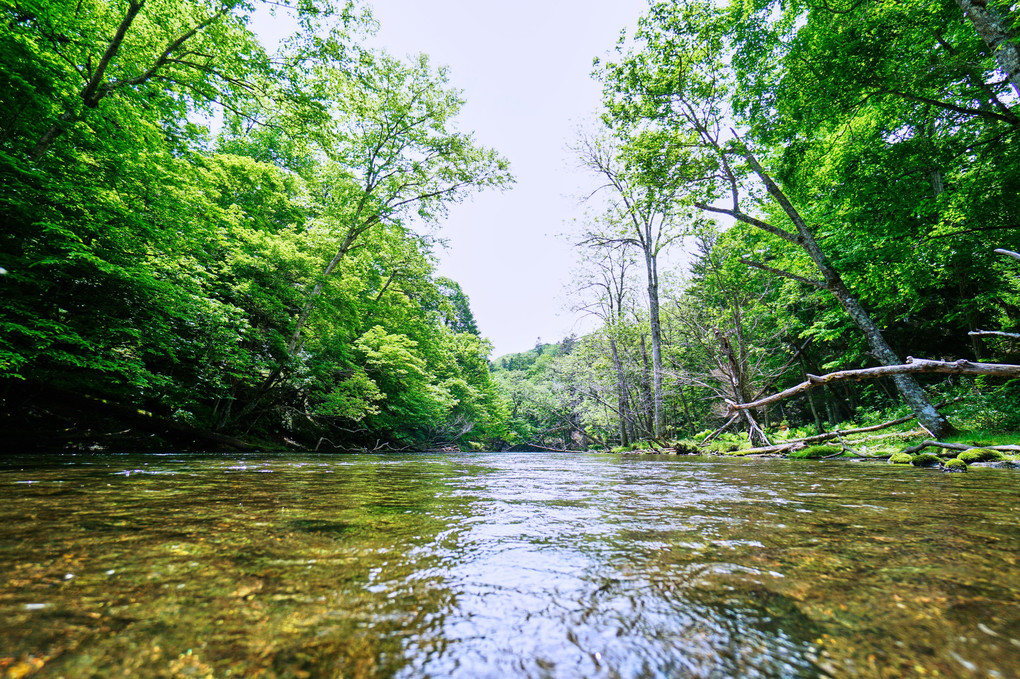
994	333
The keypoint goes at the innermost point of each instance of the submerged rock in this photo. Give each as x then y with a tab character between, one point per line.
1010	463
955	465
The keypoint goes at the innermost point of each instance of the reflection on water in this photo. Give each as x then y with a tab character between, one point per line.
504	565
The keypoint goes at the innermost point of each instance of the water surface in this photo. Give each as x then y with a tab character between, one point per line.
505	565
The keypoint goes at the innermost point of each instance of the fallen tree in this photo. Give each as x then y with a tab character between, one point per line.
958	446
795	444
912	365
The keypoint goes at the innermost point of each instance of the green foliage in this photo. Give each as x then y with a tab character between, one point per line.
352	399
264	279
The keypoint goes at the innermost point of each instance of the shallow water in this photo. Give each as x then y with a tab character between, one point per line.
505	565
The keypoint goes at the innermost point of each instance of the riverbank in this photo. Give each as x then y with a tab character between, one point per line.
910	449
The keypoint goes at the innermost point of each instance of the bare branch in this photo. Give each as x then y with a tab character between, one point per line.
980	113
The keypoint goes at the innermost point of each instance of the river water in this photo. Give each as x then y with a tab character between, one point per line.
505	565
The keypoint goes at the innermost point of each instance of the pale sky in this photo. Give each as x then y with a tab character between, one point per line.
524	68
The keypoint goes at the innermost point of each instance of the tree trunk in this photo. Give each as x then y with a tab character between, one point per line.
994	30
621	393
656	330
648	395
927	416
687	411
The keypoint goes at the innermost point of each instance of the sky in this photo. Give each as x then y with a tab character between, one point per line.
524	68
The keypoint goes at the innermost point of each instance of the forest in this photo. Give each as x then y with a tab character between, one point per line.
209	243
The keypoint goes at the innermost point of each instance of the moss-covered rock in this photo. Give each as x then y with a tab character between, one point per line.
900	458
926	460
955	465
815	452
980	455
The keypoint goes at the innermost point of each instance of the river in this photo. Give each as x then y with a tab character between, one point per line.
504	565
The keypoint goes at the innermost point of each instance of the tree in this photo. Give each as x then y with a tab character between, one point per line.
678	86
642	211
604	289
267	280
994	24
724	316
392	154
457	307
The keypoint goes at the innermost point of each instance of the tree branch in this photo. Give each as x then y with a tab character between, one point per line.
748	219
1009	118
785	274
993	333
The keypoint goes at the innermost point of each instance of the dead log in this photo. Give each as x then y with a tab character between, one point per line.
912	365
959	446
527	447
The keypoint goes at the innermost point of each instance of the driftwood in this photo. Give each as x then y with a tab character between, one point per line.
958	446
912	365
535	445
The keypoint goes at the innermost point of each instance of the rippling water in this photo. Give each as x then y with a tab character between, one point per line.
505	565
